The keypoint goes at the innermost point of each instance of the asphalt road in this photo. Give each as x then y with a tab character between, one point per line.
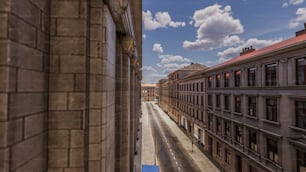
171	155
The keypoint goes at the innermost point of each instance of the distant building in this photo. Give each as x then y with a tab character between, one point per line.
248	112
173	86
148	92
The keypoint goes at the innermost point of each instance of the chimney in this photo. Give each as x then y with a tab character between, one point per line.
301	32
247	50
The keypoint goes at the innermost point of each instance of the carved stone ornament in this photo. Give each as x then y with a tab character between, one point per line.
128	45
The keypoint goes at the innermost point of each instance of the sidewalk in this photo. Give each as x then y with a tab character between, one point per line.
147	149
200	159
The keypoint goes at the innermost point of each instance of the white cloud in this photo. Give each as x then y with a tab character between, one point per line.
148	68
170	62
235	51
144	36
301	18
161	20
153	78
216	28
158	48
292	2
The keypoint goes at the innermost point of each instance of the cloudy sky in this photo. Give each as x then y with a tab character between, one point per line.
178	32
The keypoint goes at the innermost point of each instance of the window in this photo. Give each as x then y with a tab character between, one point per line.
209	101
272	150
270	74
252	140
218	125
237	78
218	149
301	71
218	101
271	109
209	82
226	102
202	86
252	106
252	169
218	78
301	161
237	104
252	77
227	156
210	121
300	114
226	79
238	134
227	129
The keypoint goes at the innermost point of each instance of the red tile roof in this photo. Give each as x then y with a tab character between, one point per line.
284	44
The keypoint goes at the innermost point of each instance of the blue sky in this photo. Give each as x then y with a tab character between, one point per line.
178	32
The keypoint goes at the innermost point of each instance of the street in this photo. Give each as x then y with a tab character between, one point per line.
170	154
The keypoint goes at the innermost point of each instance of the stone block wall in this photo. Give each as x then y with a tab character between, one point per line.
24	56
60	88
68	89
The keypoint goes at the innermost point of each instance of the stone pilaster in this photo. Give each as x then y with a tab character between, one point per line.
69	87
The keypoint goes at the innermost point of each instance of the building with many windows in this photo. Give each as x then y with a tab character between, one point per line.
252	108
173	86
148	92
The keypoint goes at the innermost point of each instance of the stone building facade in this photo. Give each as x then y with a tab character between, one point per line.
254	108
69	85
148	92
173	86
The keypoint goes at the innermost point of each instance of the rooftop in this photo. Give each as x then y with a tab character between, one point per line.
266	50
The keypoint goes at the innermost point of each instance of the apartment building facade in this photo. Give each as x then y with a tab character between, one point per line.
173	87
191	105
148	92
254	108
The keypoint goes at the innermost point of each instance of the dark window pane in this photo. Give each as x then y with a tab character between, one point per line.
226	79
271	109
271	75
301	71
237	78
300	114
252	77
252	106
237	104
